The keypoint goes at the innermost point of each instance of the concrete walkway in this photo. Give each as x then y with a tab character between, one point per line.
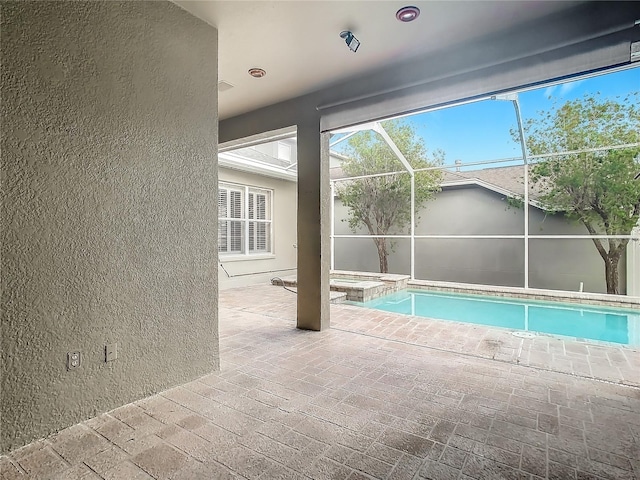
377	396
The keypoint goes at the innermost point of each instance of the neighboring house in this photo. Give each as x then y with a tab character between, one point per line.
475	203
257	213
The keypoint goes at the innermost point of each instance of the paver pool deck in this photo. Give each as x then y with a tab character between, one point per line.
378	395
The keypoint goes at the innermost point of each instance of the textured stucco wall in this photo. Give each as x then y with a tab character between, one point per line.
553	264
250	270
314	227
109	213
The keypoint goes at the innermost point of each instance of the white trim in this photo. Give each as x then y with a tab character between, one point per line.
236	162
245	258
258	139
488	186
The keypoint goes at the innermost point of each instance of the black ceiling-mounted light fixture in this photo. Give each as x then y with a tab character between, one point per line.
408	14
349	38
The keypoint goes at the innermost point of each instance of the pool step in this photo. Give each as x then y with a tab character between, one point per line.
338	297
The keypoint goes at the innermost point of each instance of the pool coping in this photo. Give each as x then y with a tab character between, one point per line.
374	285
530	294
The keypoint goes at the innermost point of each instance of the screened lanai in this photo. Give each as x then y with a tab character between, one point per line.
474	227
480	172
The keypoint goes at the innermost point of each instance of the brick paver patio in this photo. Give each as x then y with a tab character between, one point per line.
376	396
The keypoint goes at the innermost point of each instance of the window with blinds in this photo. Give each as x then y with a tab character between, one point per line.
245	222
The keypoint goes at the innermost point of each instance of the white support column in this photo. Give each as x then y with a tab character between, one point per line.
523	146
413	225
333	227
513	97
633	265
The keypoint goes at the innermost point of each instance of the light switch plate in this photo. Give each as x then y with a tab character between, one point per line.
110	352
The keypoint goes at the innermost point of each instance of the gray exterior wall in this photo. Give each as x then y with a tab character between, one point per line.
553	264
248	269
109	221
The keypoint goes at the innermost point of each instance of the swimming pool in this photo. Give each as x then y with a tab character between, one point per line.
572	320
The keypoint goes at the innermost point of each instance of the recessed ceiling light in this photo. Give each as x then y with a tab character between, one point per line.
408	14
257	72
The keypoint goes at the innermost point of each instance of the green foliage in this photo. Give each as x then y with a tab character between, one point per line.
382	203
597	188
515	202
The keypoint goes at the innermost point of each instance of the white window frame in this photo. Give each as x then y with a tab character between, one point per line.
250	235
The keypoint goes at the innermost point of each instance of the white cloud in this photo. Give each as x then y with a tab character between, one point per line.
567	87
561	90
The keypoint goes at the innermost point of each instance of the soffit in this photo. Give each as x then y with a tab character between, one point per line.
298	43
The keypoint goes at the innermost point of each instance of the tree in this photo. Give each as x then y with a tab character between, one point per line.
384	202
597	188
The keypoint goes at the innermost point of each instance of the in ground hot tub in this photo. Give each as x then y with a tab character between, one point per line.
358	286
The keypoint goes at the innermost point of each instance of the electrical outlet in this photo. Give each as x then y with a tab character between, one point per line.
110	352
73	360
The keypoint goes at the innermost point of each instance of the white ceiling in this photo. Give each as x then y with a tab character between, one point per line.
298	42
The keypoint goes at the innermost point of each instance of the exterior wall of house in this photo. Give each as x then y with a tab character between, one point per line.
553	263
244	270
109	218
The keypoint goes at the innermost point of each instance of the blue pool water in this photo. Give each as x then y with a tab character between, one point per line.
588	322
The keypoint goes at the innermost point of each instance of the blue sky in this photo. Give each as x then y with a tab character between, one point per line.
480	130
